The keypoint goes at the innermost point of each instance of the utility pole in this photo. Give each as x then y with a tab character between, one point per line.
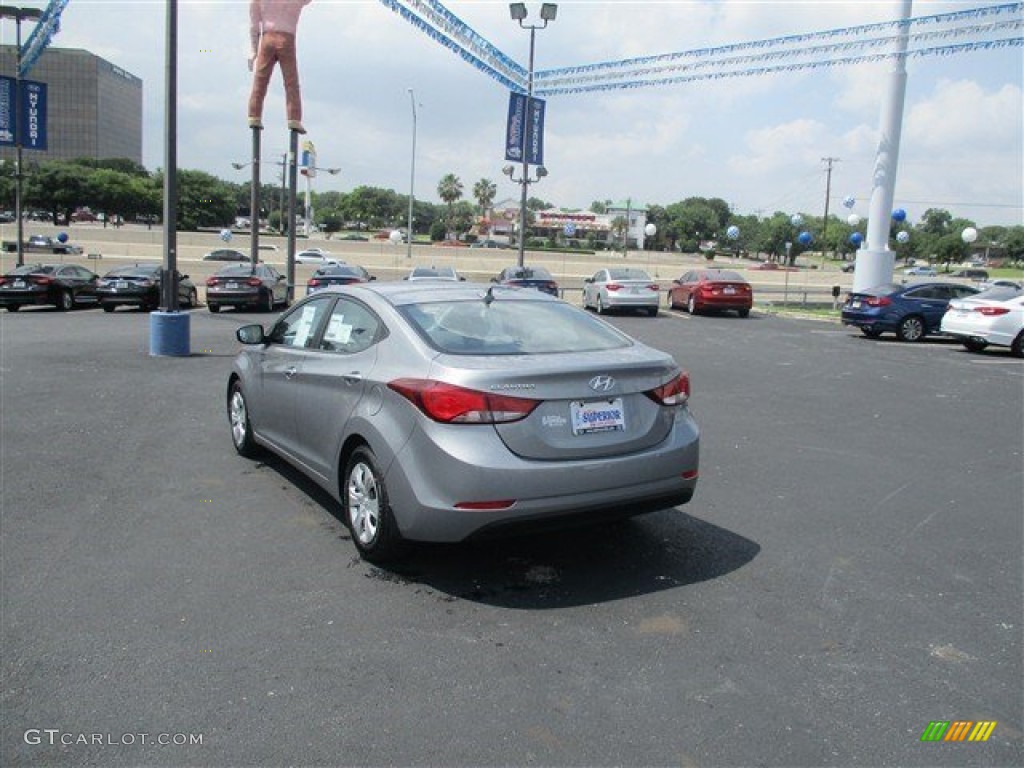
828	192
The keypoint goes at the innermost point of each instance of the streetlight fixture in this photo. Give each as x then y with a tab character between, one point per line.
12	12
309	171
548	12
412	176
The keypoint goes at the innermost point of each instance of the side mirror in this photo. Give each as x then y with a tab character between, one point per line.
588	280
251	334
494	280
372	278
461	278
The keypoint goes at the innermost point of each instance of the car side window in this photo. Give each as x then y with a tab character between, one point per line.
961	292
921	293
351	328
298	328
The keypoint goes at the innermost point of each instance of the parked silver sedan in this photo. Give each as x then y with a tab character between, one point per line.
440	412
621	288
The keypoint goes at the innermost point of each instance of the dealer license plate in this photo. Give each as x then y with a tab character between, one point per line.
232	286
19	283
599	416
729	289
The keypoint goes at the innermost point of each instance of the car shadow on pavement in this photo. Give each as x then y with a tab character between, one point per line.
556	569
580	566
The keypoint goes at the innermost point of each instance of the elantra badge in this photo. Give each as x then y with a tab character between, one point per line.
602	383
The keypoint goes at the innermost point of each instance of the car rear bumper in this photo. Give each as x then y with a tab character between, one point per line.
616	301
233	299
25	298
437	469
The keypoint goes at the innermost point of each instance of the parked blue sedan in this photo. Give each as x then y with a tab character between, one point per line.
910	311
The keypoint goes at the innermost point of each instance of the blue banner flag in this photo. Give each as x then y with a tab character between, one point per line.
519	125
6	111
32	125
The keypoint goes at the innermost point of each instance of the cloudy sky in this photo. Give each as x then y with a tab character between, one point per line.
757	142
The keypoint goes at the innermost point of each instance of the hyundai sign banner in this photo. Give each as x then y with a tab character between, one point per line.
517	124
33	114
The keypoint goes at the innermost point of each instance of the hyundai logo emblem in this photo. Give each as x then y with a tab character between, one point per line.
601	383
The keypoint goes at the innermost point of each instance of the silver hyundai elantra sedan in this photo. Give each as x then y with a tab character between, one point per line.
440	412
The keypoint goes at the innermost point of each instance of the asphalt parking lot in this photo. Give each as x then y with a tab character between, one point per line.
849	571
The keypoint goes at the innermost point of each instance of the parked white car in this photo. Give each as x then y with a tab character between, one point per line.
990	318
316	256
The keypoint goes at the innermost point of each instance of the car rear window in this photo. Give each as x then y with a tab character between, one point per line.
628	274
238	269
510	327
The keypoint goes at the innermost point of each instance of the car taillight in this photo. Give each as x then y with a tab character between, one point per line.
992	311
613	287
878	301
675	392
254	281
211	281
313	282
654	287
450	404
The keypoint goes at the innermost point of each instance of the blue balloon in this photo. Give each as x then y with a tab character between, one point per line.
899	215
732	232
849	201
225	235
62	237
856	238
804	238
796	220
902	236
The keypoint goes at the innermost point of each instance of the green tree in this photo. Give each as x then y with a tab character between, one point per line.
203	200
58	187
484	192
449	189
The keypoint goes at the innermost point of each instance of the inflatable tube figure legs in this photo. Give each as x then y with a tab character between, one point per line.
272	26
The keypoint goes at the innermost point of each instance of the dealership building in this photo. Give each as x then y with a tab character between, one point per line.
93	108
575	225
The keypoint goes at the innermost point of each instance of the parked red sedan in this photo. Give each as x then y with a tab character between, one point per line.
705	290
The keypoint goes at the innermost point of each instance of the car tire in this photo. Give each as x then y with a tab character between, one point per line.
109	307
974	345
13	307
871	333
670	301
599	307
241	426
268	305
67	301
192	299
911	328
1017	347
652	311
367	510
691	305
744	313
215	308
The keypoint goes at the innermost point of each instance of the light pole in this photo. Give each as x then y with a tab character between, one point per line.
254	203
309	171
412	176
525	181
11	12
548	12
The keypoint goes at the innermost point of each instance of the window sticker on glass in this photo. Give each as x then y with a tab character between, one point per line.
338	332
305	325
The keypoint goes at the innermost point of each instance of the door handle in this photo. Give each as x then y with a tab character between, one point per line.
352	378
290	372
